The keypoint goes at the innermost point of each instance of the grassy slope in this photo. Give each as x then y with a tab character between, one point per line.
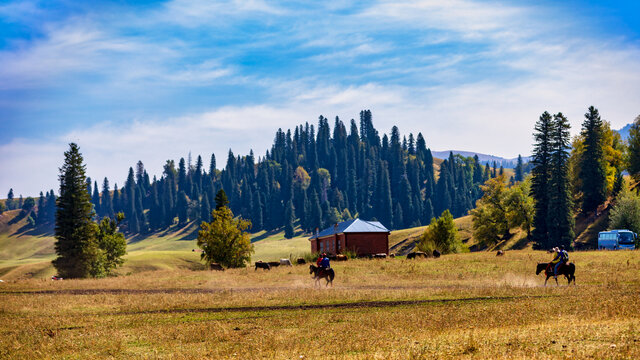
25	253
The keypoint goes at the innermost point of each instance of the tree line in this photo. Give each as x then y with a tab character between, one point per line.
316	176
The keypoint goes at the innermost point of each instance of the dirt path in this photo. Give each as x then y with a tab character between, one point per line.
347	305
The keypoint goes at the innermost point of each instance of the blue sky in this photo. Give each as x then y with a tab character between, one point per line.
154	80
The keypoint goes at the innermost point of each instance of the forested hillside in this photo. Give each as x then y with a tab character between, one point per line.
319	175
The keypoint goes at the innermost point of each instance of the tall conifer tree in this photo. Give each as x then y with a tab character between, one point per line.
559	216
592	167
540	179
75	247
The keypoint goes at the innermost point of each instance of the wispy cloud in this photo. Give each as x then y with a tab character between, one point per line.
202	76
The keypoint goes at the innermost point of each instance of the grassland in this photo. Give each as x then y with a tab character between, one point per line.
471	305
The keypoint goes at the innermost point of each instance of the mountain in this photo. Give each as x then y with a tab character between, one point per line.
624	132
484	158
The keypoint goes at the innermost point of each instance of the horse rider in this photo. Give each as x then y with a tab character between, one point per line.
561	257
564	259
325	263
319	261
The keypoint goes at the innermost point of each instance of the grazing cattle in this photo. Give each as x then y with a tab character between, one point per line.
285	262
436	254
262	265
56	278
416	254
341	257
500	253
301	261
216	266
274	263
392	255
380	256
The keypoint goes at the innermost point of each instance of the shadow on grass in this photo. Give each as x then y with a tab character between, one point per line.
265	235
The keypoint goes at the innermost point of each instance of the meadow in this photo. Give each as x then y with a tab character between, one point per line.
472	305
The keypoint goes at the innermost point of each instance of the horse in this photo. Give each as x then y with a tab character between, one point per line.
568	270
320	273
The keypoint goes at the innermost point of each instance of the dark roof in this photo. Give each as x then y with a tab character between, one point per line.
352	226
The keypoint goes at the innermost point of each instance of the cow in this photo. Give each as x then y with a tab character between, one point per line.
274	263
416	254
262	265
436	253
216	266
301	261
341	257
392	255
286	262
500	253
380	256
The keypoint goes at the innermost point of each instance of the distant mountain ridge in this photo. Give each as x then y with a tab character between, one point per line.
624	132
484	158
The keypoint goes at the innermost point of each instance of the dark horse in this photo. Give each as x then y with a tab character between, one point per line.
568	270
320	273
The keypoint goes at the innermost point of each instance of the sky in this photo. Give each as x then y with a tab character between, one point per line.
157	80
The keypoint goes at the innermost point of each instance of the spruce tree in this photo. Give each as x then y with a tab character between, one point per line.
10	203
540	179
40	218
559	215
519	170
75	244
205	209
289	219
385	209
221	199
182	206
592	171
96	198
212	166
633	165
50	216
316	217
107	204
428	211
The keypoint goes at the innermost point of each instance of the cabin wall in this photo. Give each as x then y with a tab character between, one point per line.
368	243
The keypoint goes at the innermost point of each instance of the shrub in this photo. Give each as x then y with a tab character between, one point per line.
441	235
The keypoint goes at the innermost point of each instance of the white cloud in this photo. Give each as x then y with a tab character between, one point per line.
531	67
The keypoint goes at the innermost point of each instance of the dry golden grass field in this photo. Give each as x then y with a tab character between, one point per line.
473	305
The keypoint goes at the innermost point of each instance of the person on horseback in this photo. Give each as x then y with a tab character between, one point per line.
319	261
555	262
564	259
325	263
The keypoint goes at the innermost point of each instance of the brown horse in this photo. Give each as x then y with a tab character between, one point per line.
321	273
568	270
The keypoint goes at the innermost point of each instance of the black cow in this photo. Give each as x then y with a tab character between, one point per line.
262	265
416	254
436	254
301	261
